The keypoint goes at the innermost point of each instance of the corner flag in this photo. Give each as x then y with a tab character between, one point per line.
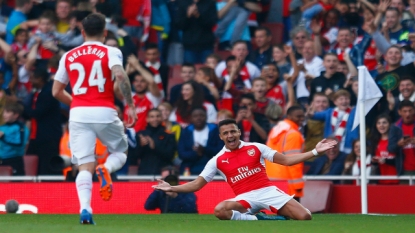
371	94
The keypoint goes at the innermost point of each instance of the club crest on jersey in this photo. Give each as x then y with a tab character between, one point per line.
251	152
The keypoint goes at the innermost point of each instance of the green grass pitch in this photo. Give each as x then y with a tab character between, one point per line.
172	223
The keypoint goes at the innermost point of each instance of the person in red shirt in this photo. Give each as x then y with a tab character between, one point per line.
92	70
147	94
242	164
407	142
385	148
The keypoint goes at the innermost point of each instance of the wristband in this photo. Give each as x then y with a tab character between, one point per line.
314	151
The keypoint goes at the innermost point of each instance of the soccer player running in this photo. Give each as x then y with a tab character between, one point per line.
90	69
242	165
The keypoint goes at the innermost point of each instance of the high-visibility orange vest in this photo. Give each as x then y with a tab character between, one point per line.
286	139
101	152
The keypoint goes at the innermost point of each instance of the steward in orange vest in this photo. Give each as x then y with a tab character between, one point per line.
287	139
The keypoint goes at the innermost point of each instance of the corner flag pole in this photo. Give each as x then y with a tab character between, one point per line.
362	129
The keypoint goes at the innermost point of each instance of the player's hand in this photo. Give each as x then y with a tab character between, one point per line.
163	186
132	118
325	145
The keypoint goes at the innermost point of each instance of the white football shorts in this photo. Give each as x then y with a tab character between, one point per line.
270	198
82	139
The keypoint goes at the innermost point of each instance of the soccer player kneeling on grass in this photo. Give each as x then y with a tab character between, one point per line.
242	165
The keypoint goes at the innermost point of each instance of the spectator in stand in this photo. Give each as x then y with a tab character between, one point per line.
187	73
259	87
254	126
20	41
160	70
247	70
173	52
155	147
146	96
138	16
18	19
206	76
327	34
5	12
407	143
190	98
63	9
14	137
43	111
279	57
212	61
311	9
343	44
329	81
231	29
6	65
119	38
330	164
310	67
394	70
352	163
160	24
299	35
171	202
196	19
263	55
171	127
387	155
407	92
397	34
338	121
314	129
199	142
224	114
273	113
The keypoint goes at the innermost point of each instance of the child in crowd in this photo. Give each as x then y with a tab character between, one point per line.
20	41
212	60
14	136
47	34
279	57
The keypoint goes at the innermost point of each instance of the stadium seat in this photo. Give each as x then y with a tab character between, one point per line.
277	29
6	171
317	196
30	164
175	71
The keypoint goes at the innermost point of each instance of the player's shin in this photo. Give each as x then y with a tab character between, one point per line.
84	188
236	215
115	161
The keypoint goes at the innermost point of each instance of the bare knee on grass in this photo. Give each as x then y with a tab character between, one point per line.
295	210
223	210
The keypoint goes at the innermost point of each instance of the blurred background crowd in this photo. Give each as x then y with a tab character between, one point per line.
273	66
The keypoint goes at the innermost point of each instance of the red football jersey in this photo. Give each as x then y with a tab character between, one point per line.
88	70
243	168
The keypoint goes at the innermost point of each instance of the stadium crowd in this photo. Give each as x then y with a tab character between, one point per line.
193	63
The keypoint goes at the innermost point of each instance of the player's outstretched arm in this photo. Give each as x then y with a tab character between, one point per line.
321	147
125	88
190	187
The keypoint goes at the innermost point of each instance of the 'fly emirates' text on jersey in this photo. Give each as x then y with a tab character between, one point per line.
88	70
243	169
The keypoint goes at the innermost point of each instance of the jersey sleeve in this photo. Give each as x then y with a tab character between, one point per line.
62	74
210	170
114	57
266	152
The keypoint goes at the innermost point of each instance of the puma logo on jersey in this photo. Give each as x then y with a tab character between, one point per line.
226	161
